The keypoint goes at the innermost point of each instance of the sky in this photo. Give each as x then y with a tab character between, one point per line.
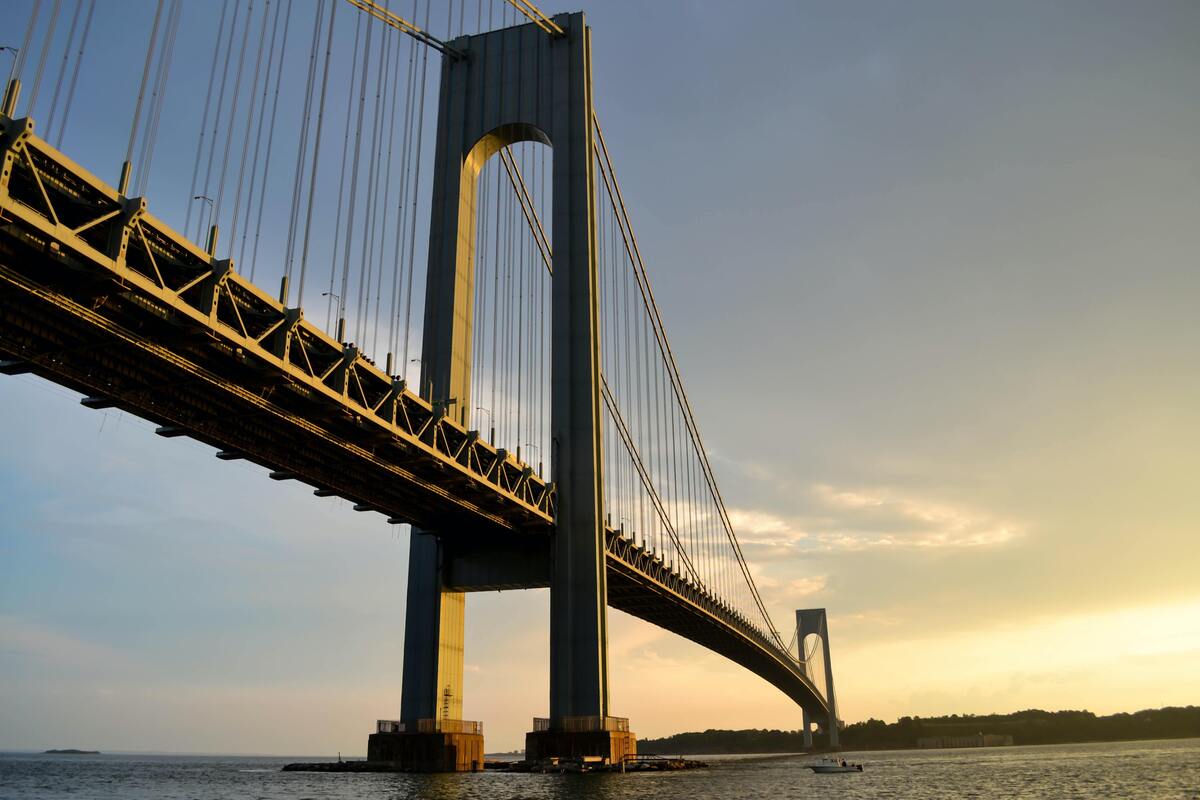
930	271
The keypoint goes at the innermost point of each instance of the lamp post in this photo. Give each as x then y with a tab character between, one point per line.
208	200
491	427
533	446
16	51
9	107
422	390
341	325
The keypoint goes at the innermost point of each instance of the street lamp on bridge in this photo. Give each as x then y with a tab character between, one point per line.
491	426
16	51
535	447
212	231
341	325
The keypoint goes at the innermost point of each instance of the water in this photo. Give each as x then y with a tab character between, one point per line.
1134	770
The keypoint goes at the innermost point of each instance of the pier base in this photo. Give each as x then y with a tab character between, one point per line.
611	746
427	752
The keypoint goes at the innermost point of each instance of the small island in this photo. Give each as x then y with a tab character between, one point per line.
71	752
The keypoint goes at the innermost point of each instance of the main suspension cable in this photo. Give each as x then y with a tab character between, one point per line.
406	27
537	17
614	192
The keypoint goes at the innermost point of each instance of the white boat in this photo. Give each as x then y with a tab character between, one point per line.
826	765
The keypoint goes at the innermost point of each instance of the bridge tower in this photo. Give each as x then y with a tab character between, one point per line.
814	621
497	89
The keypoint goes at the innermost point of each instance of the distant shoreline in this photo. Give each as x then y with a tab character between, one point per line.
822	750
1032	727
70	751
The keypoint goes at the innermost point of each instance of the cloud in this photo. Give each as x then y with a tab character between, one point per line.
764	529
804	587
853	519
866	518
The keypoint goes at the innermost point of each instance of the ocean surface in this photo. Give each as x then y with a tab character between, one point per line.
1169	769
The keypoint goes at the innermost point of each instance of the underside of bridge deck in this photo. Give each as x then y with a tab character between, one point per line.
100	297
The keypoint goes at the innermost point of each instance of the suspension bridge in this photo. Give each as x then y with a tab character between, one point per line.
533	429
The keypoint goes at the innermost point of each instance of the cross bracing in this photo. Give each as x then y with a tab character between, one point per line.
99	294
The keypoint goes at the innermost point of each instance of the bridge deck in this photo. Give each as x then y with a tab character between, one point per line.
643	586
99	296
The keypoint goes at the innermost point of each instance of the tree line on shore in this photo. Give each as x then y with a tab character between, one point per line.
1026	727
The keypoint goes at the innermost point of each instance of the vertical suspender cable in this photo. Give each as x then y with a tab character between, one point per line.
384	206
137	111
301	152
401	242
371	222
87	27
155	90
366	264
218	116
18	66
362	100
337	222
49	40
218	204
158	98
644	412
252	114
495	303
511	269
212	76
627	340
479	345
519	262
262	187
312	184
506	324
366	270
380	228
261	115
62	69
416	187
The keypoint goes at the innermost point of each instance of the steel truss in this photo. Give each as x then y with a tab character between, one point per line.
99	295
